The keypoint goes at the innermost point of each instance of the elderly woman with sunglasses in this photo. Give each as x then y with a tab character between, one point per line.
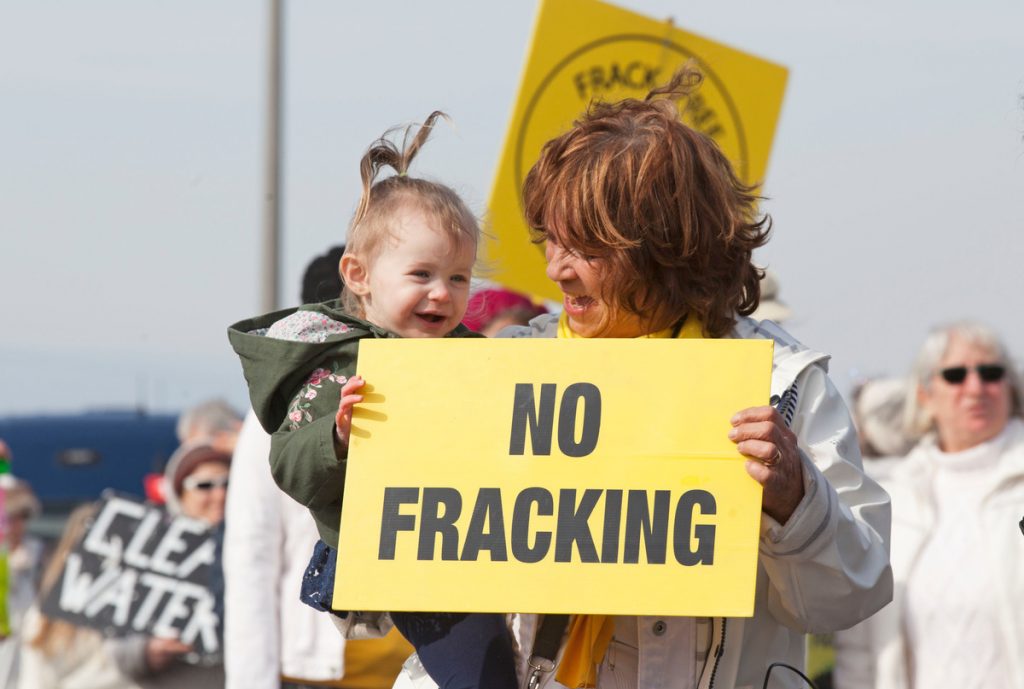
196	482
957	616
195	485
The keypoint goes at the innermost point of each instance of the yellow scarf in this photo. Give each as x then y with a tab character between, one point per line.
589	635
692	329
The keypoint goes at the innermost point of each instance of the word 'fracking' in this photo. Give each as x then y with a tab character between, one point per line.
542	530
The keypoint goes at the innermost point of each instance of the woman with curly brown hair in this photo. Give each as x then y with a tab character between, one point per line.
648	233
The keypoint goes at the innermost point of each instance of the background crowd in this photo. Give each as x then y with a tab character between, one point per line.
946	441
219	474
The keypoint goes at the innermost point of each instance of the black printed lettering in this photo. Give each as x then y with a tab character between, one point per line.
437	522
641	526
573	525
612	523
703	533
521	548
541	420
591	398
391	521
486	512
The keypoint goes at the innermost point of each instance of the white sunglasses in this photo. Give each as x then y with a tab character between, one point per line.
198	483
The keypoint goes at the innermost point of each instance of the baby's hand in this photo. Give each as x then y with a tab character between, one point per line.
343	419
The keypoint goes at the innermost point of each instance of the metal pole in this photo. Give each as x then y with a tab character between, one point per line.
270	279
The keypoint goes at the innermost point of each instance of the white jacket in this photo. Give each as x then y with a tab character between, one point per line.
827	568
267	543
24	564
85	662
874	654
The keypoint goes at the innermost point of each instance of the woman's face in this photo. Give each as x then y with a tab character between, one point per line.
581	282
972	411
204	492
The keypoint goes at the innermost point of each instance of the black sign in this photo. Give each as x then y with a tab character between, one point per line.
139	570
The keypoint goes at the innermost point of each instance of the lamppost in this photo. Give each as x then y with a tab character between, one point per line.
270	275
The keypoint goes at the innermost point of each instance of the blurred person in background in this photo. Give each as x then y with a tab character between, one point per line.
196	478
877	405
271	639
59	655
771	307
493	308
214	422
957	555
878	408
321	281
24	567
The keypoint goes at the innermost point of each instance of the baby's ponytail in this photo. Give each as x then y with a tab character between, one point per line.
384	153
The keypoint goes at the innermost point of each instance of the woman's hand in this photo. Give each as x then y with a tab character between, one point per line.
343	419
761	434
161	652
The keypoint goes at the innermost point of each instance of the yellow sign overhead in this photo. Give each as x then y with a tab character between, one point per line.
552	476
585	50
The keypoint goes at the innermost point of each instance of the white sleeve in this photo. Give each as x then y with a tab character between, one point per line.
252	566
34	669
828	565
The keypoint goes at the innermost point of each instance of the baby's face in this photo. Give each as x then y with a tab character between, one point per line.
419	279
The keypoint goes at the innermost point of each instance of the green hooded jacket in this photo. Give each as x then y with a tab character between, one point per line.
295	362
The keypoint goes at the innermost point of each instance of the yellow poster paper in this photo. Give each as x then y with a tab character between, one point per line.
579	476
585	50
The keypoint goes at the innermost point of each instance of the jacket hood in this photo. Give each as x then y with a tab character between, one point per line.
275	368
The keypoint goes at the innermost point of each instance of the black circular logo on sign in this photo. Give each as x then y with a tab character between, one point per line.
725	127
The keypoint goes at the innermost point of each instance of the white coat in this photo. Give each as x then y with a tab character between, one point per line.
268	539
875	654
826	569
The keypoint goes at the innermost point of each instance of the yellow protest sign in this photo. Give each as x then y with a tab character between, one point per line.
584	50
586	476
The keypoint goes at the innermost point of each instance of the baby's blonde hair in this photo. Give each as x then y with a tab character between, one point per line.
382	200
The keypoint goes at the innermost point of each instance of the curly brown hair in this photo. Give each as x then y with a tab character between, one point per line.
382	199
659	204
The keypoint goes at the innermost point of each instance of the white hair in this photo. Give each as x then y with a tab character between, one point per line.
206	419
916	419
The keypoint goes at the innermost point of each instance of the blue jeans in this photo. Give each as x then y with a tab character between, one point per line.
318	580
458	650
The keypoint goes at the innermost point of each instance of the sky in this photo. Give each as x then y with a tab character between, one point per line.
131	167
